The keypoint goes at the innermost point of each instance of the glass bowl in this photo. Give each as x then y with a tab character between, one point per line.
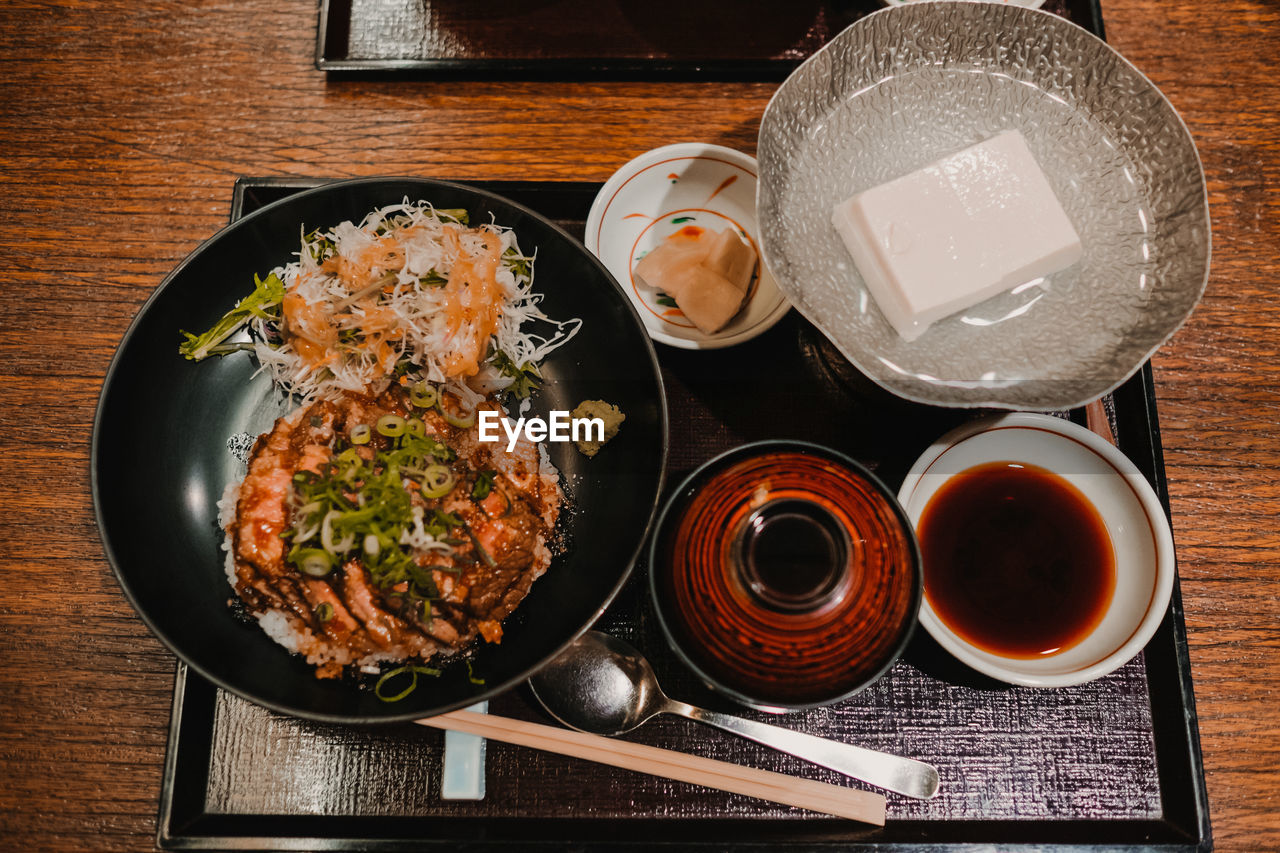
905	86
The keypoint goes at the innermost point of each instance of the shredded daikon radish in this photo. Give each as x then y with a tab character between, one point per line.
411	290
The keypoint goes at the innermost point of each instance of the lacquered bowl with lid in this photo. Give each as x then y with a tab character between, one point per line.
785	575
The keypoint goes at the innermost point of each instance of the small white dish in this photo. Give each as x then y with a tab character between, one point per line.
1129	508
655	195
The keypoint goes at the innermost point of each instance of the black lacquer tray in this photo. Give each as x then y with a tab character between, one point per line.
593	39
1112	765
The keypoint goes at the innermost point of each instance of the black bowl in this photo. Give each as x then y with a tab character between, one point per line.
165	432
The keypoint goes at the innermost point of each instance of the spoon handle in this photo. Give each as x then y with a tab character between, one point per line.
891	772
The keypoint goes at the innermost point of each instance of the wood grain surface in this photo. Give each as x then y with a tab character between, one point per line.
122	128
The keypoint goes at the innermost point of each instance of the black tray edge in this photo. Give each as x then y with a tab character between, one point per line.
1191	812
334	29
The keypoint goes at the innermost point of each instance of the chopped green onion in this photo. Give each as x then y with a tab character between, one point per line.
361	433
483	486
484	555
423	395
461	421
437	481
308	524
315	562
326	535
324	612
449	518
471	675
413	670
424	583
392	426
368	502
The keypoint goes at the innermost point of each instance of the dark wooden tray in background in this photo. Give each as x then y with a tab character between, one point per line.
593	39
1111	765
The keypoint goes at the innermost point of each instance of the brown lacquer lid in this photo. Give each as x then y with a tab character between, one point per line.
786	574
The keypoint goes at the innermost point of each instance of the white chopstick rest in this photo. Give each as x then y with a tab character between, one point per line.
462	771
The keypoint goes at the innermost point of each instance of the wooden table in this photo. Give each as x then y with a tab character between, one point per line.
123	124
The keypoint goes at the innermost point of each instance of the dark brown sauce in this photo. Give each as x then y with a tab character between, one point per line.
1016	560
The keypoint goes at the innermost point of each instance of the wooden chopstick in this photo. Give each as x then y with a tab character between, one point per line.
851	803
1097	420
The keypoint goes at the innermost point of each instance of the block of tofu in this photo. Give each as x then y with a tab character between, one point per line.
958	231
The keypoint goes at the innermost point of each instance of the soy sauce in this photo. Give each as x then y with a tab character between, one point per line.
1016	560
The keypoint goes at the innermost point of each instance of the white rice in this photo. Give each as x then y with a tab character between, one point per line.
226	518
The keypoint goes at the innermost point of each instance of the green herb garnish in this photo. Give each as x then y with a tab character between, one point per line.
521	266
526	376
321	247
483	485
264	303
471	675
413	670
457	214
480	549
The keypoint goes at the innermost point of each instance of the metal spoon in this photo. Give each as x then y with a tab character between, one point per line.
603	686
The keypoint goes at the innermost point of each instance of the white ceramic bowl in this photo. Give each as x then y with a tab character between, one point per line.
1128	506
655	195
